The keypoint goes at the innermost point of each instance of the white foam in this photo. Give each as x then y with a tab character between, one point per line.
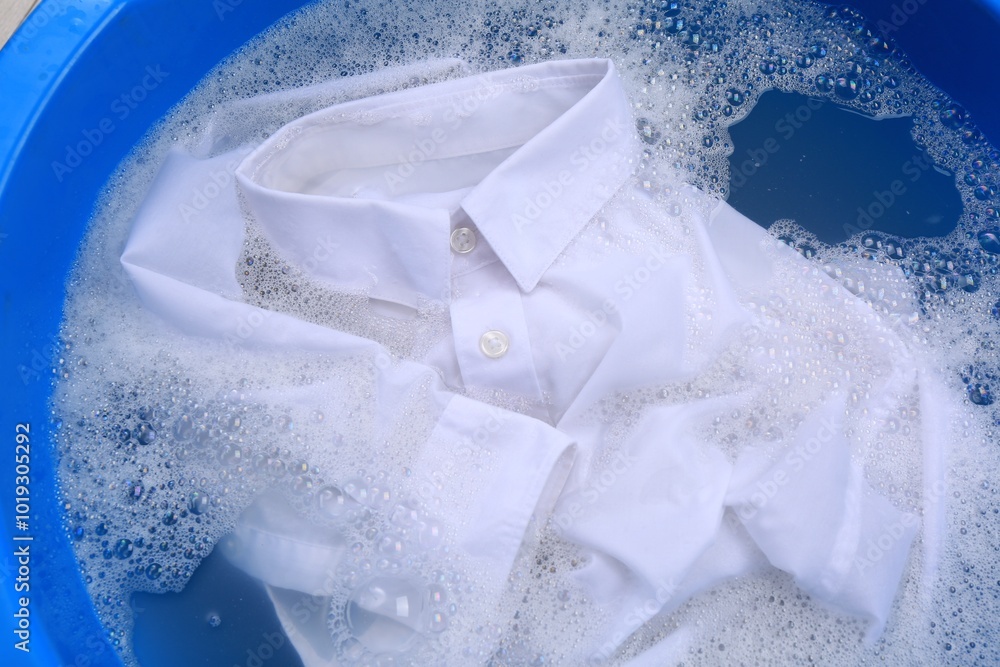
124	371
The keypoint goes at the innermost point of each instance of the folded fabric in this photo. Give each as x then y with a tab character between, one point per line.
635	373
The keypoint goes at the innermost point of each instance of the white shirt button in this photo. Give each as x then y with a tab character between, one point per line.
463	240
494	344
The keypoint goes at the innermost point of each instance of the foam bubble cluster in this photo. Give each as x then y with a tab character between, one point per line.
163	442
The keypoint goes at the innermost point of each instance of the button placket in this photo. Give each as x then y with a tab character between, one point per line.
491	337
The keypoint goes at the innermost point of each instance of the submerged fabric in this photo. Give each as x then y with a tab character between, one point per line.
578	291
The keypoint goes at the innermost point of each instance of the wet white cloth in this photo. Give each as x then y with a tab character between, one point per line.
509	199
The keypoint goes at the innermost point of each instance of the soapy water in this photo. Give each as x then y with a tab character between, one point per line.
163	443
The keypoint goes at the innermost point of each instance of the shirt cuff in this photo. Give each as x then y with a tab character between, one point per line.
481	477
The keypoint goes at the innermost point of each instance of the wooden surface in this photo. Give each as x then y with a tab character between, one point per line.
12	12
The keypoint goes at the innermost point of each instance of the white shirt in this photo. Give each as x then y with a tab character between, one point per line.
509	203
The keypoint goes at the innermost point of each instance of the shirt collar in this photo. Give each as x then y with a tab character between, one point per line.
364	194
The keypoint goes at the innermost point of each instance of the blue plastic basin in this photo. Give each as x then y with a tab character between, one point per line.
64	127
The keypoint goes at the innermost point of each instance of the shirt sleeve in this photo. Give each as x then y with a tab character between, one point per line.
814	515
481	475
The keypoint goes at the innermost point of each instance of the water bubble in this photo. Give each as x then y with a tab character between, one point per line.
145	433
879	47
823	83
331	501
231	455
735	97
938	284
134	489
275	466
78	533
391	545
379	495
846	87
431	534
153	571
970	282
232	422
806	250
984	192
198	502
302	484
213	619
404	515
101	529
943	264
647	132
952	116
386	614
123	549
183	428
203	435
669	9
970	135
169	519
437	622
767	67
980	394
989	240
871	241
437	594
357	489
